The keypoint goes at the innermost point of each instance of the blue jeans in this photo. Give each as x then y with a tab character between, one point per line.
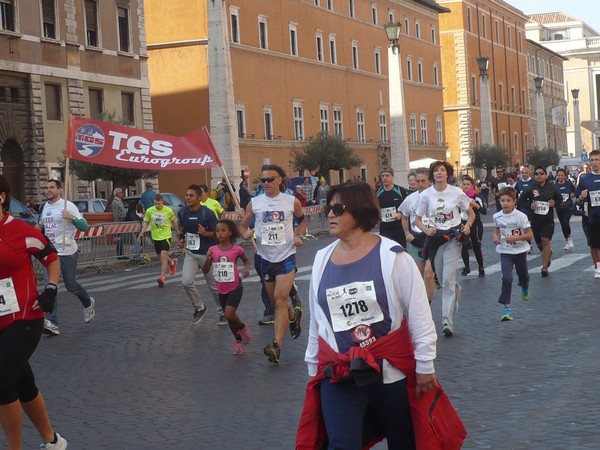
507	261
68	269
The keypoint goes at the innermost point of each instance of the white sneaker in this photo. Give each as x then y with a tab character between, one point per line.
597	274
89	313
570	243
50	329
567	246
60	444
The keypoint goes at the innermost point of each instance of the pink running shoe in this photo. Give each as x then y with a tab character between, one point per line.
239	348
245	335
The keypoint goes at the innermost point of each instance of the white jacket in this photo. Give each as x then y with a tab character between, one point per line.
406	294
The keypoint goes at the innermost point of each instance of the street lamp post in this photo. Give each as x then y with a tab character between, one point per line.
487	132
576	122
542	139
398	135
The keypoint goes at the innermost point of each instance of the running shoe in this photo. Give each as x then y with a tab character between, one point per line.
507	314
90	312
50	329
295	325
268	319
544	272
465	272
481	273
59	444
597	273
161	281
525	294
570	243
296	300
239	348
245	335
173	267
222	320
146	257
273	351
199	315
567	245
448	330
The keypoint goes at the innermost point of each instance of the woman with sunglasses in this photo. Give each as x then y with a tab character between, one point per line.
21	323
367	301
442	204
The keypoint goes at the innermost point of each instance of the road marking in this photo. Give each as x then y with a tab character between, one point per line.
563	261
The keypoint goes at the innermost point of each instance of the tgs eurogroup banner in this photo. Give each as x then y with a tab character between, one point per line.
109	144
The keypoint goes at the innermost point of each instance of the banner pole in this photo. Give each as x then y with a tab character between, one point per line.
65	190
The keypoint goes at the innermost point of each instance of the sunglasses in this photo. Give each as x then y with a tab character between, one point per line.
539	173
267	180
337	209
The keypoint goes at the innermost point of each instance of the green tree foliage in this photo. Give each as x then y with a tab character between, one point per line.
323	153
488	157
120	177
543	157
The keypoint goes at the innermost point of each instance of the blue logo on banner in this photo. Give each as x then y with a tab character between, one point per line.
89	140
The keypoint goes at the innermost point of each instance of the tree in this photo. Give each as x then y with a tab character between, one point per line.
323	153
488	157
543	157
120	177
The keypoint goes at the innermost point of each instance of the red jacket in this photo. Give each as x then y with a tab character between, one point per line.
435	421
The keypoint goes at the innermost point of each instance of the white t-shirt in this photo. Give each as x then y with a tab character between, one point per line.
274	226
513	224
54	224
443	207
408	208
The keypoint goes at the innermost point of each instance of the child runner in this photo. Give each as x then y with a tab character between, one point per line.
227	279
511	234
160	218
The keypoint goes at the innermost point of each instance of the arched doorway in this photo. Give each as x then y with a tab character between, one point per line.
11	156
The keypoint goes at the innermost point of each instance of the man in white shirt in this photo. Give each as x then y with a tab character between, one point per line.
59	221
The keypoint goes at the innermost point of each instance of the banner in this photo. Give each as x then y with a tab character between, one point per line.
109	144
558	115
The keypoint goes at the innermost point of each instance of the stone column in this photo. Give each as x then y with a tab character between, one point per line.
398	134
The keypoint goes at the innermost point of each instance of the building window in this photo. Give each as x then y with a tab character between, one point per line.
513	99
406	26
342	175
439	128
476	133
360	125
324	118
91	23
332	50
418	29
433	35
501	91
96	103
7	15
127	108
409	69
49	19
234	18
263	39
330	5
351	11
436	75
317	2
355	55
14	95
424	136
420	71
293	40
374	13
53	101
319	42
413	128
483	29
504	139
508	32
123	26
268	114
338	123
298	121
382	127
497	31
377	61
469	19
516	143
391	16
473	90
240	114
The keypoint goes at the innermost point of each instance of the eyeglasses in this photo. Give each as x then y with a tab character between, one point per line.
539	173
267	180
337	209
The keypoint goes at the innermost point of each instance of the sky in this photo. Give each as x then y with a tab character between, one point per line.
585	10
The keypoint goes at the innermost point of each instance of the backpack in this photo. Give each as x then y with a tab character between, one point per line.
222	195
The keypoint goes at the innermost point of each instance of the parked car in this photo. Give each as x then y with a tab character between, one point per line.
171	200
90	205
20	211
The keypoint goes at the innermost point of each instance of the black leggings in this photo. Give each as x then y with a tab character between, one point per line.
564	216
18	341
476	236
